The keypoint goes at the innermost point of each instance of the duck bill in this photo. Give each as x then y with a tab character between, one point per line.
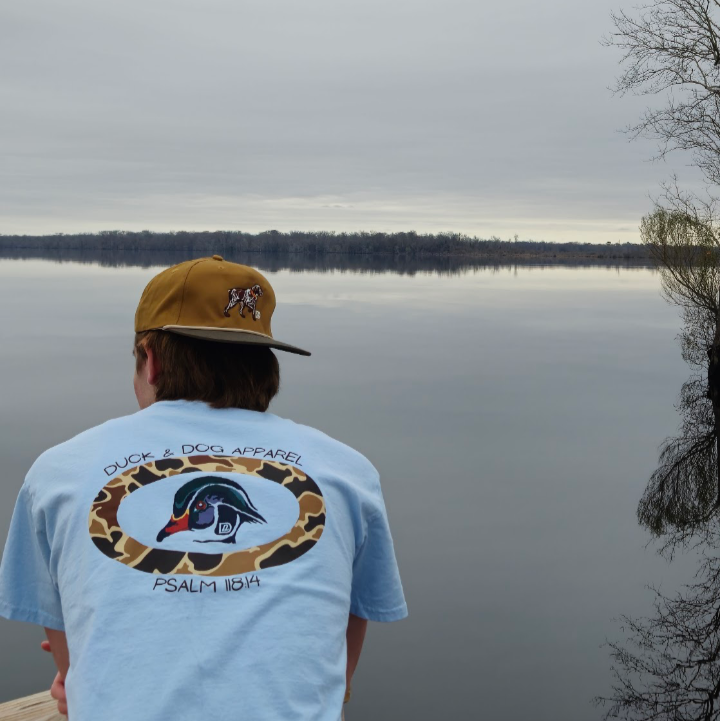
174	525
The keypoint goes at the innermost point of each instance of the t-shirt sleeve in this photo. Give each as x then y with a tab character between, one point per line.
27	590
377	592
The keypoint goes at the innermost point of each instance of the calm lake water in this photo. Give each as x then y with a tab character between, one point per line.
514	415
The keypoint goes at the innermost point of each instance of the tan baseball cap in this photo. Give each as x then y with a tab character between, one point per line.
213	299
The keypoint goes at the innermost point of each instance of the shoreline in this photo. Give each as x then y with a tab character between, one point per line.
317	246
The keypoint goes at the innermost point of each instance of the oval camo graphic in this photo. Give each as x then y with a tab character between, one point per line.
111	540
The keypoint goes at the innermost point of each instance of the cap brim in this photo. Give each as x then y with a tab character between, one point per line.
233	335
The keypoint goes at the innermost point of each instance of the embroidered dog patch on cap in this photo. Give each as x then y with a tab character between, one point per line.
245	298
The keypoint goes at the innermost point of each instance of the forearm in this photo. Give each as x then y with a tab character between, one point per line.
59	650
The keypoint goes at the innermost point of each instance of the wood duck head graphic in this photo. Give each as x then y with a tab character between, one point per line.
213	507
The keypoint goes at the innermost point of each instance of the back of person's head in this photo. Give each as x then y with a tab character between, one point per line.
223	375
207	324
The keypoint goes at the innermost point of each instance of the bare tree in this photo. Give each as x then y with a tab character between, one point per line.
669	667
672	48
683	494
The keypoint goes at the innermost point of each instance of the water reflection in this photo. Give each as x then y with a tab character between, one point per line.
668	666
514	425
668	663
299	263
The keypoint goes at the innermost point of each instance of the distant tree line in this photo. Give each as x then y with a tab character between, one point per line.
407	244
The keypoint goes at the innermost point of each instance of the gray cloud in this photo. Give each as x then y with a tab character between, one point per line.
478	117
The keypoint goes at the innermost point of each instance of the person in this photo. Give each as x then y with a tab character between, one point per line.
202	557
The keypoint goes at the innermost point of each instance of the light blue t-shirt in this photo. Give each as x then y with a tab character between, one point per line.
202	563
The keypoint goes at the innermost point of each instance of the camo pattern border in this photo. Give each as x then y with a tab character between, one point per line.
111	540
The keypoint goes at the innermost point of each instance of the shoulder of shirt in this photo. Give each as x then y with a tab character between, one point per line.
57	456
352	459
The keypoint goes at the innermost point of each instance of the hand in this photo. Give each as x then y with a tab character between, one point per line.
57	689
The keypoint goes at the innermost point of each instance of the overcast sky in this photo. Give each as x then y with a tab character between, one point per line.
467	115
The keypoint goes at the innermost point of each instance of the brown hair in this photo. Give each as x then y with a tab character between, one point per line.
224	375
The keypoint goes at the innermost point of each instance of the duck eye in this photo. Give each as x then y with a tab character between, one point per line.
201	505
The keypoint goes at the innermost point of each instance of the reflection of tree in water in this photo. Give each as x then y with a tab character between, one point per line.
669	666
682	495
308	262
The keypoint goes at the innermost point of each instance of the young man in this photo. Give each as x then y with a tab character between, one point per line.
202	558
